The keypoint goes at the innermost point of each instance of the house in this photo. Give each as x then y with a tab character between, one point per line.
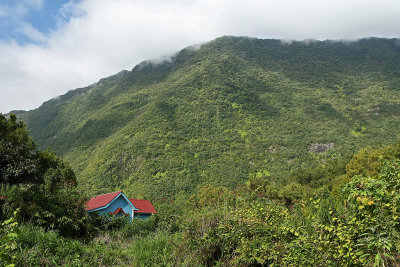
118	204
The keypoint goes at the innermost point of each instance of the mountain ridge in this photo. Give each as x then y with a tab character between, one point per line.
234	108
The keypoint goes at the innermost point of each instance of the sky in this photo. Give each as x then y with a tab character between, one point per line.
48	47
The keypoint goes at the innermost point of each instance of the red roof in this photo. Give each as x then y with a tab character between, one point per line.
101	200
143	205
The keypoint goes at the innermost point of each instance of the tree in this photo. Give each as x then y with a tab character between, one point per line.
38	182
18	159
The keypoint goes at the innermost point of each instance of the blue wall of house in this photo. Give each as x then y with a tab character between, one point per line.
119	202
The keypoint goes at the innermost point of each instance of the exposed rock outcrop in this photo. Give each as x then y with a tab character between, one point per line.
320	148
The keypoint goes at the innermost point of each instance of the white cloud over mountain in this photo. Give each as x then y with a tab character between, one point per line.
102	37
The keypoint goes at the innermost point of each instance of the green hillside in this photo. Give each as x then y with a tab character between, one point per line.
233	109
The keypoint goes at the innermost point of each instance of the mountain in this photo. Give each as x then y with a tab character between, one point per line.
231	109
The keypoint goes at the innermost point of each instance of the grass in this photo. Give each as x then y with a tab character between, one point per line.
41	248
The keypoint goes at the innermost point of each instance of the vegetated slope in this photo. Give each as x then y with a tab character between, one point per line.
235	108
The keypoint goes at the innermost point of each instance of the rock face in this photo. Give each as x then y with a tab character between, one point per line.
321	148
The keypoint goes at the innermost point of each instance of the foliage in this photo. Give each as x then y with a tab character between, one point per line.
48	248
358	227
124	228
38	183
18	162
233	109
366	161
209	196
305	222
8	241
242	143
139	227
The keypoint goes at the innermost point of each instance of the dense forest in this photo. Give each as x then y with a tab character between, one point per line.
234	108
254	153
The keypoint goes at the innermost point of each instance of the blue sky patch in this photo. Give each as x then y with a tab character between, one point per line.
29	21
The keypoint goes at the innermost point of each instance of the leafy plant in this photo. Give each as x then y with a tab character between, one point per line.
9	241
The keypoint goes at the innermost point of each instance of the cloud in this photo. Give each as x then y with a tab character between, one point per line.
32	33
97	38
20	8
